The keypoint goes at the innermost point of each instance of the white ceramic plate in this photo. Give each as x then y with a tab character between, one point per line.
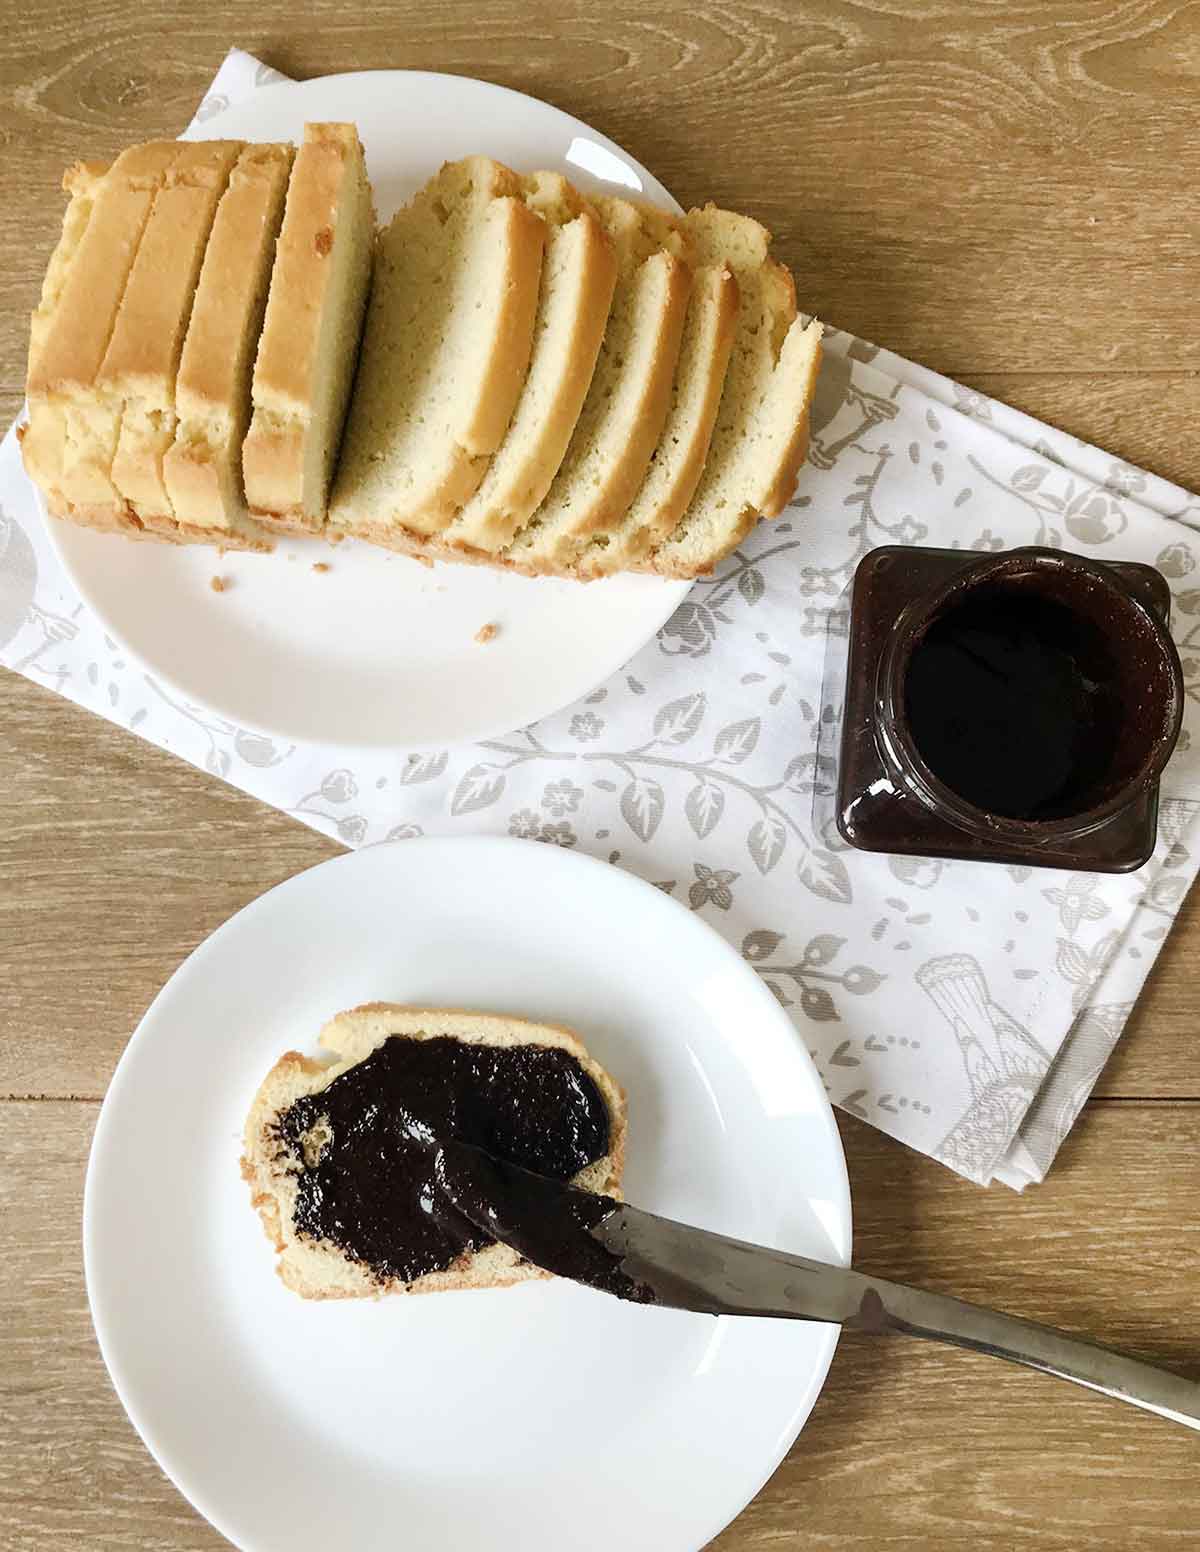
541	1417
379	651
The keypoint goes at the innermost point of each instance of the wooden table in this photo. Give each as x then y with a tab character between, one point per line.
1004	191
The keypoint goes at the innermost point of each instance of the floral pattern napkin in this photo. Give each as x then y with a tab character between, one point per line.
964	1009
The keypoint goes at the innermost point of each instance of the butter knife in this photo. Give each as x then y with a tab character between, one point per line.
636	1255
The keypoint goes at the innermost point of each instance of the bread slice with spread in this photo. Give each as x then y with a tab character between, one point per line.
333	1151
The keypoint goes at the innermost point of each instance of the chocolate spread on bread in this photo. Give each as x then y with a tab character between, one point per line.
541	1221
366	1147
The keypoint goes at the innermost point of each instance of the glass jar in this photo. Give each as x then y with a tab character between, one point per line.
1016	707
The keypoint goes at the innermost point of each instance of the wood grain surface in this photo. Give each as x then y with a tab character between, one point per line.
1004	191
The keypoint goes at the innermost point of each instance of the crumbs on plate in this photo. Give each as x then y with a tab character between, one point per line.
218	584
321	565
487	633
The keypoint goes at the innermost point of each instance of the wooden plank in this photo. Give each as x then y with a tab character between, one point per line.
118	860
910	1446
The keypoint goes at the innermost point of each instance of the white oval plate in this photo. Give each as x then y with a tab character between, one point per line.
541	1417
379	651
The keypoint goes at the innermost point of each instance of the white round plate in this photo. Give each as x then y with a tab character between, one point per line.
541	1417
379	651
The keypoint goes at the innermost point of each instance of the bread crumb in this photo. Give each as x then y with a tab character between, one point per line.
323	241
487	633
320	565
218	584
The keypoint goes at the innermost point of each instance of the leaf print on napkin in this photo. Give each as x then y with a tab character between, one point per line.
751	585
424	767
816	1002
482	786
642	805
680	720
1176	560
1083	967
690	632
823	948
704	806
766	842
256	749
760	944
736	742
339	787
825	875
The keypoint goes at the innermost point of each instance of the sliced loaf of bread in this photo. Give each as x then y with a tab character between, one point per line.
309	346
137	377
626	405
445	353
70	441
761	433
202	469
319	1269
678	460
578	274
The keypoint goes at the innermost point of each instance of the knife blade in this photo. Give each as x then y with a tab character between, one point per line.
654	1260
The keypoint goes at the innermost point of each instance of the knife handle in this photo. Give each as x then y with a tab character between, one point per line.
891	1307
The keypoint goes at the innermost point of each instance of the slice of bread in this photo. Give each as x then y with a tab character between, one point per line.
70	440
445	352
678	460
309	346
137	377
626	405
761	433
319	1269
579	272
202	469
82	182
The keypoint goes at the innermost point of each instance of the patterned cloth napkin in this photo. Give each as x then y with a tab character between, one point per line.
964	1009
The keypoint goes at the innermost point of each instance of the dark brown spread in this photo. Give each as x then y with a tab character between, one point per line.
365	1148
1012	701
537	1217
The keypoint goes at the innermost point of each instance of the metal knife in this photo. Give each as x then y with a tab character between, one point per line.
692	1269
635	1255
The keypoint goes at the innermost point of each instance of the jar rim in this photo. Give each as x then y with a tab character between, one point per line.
899	750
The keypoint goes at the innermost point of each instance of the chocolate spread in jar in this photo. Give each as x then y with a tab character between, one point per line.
1013	701
365	1147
